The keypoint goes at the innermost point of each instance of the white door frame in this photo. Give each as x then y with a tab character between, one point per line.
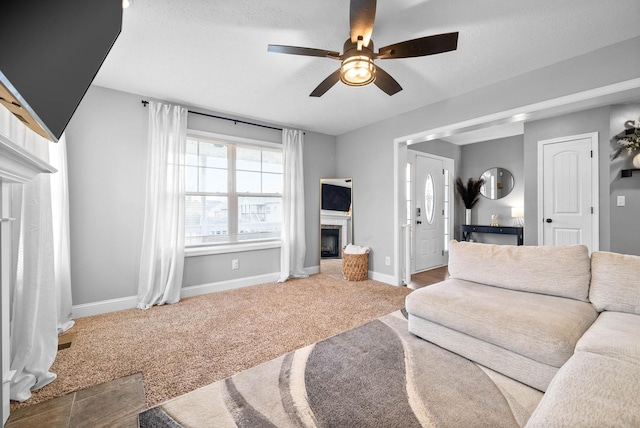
595	185
449	164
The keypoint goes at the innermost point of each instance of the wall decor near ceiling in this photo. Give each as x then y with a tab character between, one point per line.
629	141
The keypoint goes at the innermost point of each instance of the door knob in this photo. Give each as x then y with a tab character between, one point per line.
548	220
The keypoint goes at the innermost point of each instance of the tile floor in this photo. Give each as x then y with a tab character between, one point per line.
114	404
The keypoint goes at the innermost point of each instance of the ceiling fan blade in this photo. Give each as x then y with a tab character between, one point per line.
428	45
295	50
326	84
362	15
385	82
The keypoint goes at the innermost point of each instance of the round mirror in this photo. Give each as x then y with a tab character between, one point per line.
498	183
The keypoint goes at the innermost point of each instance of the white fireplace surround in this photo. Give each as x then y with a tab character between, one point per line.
337	218
16	166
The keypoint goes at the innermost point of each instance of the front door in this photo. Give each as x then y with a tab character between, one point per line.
429	206
569	192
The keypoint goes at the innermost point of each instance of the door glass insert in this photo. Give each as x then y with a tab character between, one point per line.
429	199
445	210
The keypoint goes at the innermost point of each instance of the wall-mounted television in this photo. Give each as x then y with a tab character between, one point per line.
50	51
336	198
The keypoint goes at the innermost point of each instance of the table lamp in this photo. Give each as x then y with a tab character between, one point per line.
517	213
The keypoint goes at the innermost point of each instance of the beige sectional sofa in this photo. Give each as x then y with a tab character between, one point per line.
600	384
550	317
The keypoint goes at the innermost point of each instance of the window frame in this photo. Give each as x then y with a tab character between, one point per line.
236	245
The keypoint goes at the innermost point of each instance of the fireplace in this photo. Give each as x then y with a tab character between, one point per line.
330	242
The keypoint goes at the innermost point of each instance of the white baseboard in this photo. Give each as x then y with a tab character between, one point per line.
312	270
387	279
198	290
113	305
104	306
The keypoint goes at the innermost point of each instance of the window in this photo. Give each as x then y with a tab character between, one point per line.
430	199
233	192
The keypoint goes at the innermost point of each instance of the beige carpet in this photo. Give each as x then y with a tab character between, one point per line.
200	340
332	267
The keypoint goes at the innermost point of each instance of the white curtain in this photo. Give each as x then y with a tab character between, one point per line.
41	284
294	247
162	259
61	239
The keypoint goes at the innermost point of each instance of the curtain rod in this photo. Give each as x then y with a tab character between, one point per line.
235	121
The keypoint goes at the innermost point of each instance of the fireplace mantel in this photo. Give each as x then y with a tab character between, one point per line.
18	165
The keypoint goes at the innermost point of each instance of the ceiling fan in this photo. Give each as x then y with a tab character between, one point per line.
357	67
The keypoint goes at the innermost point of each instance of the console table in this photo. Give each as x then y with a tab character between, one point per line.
466	229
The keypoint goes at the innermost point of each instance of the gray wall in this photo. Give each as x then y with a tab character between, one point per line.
593	120
506	153
366	154
106	142
106	163
367	157
319	162
624	220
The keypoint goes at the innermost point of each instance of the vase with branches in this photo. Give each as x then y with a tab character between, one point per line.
469	194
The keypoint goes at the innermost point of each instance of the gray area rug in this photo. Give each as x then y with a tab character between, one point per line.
376	375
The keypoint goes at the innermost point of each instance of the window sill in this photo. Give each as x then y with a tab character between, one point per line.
231	248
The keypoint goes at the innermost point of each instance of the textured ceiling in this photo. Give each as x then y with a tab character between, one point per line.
213	54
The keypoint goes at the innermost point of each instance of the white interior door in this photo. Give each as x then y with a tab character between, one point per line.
429	206
569	198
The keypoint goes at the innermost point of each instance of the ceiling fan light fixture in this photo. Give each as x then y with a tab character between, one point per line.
357	67
357	70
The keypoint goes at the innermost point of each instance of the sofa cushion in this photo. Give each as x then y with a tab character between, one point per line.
591	390
541	327
555	270
615	282
516	366
615	334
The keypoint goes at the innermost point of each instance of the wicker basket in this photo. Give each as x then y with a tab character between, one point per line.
355	267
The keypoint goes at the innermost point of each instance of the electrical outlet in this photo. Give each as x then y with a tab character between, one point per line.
621	200
234	264
387	261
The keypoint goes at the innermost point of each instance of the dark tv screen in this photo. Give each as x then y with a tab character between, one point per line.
336	198
50	51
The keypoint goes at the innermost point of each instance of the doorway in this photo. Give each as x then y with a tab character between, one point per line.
428	211
436	129
568	191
